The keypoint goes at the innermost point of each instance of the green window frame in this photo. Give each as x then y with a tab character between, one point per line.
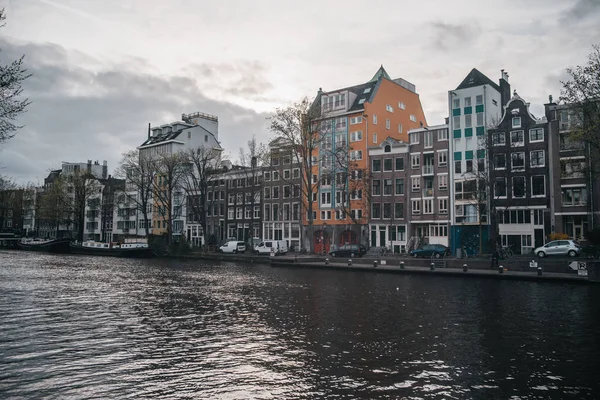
479	108
456	133
468	132
456	112
480	130
457	156
469	155
480	153
468	110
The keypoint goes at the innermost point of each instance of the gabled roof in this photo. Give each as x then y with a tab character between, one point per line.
476	78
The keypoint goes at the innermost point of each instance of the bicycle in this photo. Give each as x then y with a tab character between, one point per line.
385	251
464	253
506	252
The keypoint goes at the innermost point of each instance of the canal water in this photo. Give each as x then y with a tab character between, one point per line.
102	328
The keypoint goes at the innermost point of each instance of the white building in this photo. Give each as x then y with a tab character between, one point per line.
474	106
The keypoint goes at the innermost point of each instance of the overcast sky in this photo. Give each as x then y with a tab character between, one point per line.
103	69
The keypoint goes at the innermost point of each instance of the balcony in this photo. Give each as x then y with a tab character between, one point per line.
428	192
427	169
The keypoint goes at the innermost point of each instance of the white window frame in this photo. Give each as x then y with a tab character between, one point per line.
427	206
399	128
532	131
355	120
401	105
388	124
531	185
524	188
512	166
442	135
415	183
442	158
374	119
443	205
389	108
415	208
356	136
443	182
413	118
415	161
414	137
520	143
516	122
531	158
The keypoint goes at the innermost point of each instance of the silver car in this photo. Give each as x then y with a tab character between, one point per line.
559	248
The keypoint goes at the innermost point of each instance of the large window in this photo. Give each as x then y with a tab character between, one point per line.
387	210
399	186
536	135
387	187
428	206
538	186
400	164
387	164
500	187
443	182
498	139
499	161
518	161
415	183
518	186
442	158
517	139
428	138
537	158
376	165
443	206
574	196
416	206
376	187
398	210
414	138
415	161
376	210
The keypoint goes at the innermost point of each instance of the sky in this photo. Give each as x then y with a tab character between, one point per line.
102	70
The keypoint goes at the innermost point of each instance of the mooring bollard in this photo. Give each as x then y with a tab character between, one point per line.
539	270
327	261
374	263
401	264
465	268
349	262
432	266
501	269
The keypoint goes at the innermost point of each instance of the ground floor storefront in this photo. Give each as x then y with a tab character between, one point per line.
285	230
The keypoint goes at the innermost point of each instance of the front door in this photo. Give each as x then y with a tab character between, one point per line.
373	238
538	238
382	236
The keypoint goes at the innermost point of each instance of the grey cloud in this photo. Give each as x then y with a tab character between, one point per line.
244	78
583	9
448	36
79	113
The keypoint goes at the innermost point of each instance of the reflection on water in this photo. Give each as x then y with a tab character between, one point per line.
77	327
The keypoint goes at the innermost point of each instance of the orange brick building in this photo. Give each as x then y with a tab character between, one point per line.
352	119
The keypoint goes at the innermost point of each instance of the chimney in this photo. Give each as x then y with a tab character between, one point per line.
504	88
447	119
148	130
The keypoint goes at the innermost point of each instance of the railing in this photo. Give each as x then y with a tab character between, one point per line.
427	169
427	192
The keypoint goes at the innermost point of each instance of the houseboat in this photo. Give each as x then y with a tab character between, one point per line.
48	245
92	248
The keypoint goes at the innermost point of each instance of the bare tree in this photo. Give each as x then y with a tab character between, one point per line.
299	125
168	199
139	172
582	96
85	189
7	188
252	161
54	206
201	174
12	76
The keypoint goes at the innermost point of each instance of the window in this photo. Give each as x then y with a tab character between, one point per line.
442	134
286	174
413	118
399	186
326	198
517	139
296	173
467	102
206	138
389	108
401	105
428	206
275	175
469	165
387	164
442	158
500	161
340	123
518	186
287	192
357	194
356	155
376	187
374	119
479	117
536	135
376	210
314	179
518	161
274	161
537	158
355	120
498	139
387	210
572	168
267	176
356	136
400	164
456	122
456	103
415	161
478	100
574	196
428	138
468	123
414	138
356	214
443	182
376	165
415	183
267	193
398	210
374	138
538	186
325	215
387	124
443	206
480	160
457	166
500	187
387	187
399	128
276	192
416	206
516	122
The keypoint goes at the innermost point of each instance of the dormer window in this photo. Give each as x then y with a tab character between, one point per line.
367	90
387	148
516	122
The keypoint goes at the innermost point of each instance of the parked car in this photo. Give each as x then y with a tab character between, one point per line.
431	250
591	251
559	248
347	250
233	247
278	246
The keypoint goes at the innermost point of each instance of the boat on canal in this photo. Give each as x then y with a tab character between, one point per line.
92	248
47	245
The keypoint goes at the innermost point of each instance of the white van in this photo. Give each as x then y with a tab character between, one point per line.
233	247
278	246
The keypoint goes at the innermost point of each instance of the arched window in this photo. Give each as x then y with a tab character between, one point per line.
387	148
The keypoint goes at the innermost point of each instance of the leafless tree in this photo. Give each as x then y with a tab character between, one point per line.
85	189
12	104
167	188
253	160
139	172
299	125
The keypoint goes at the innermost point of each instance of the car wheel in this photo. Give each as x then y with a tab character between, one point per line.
438	255
572	253
332	254
234	251
541	254
415	255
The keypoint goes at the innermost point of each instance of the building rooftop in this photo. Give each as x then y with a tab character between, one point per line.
476	78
